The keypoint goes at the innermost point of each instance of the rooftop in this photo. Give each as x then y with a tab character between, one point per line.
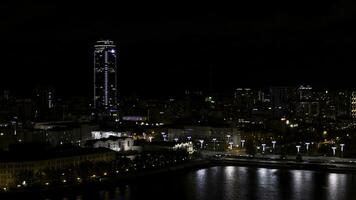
32	153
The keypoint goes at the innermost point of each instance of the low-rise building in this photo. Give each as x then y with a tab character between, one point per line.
12	164
113	143
163	145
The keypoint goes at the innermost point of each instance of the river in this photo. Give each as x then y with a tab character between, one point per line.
227	183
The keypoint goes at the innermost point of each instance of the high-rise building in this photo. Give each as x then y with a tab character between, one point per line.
305	92
342	103
244	100
282	99
105	77
353	105
44	97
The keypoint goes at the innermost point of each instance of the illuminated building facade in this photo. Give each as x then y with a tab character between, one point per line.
353	105
105	77
305	92
10	167
113	143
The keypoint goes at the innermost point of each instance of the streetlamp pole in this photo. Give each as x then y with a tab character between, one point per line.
231	143
307	146
164	136
342	149
274	144
214	140
242	143
298	148
263	147
201	143
228	138
334	150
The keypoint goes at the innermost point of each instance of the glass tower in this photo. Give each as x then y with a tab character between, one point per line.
105	76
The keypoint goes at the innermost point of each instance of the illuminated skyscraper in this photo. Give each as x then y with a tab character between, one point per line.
105	77
353	105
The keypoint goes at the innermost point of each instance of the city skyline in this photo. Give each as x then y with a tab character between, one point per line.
130	100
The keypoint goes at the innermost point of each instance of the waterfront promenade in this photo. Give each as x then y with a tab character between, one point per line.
335	164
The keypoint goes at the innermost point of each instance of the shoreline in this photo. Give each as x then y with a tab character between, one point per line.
290	165
106	182
182	168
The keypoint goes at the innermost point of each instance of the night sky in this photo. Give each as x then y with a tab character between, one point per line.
165	48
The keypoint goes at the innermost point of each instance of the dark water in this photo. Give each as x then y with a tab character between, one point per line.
230	182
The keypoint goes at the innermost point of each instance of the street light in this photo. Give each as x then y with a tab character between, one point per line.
201	143
307	146
214	140
176	139
263	147
228	138
342	149
164	136
298	148
273	144
231	143
242	143
334	150
188	137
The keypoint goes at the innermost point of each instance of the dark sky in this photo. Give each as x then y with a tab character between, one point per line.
172	46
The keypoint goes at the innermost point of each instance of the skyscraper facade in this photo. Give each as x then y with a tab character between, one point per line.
282	99
353	105
105	77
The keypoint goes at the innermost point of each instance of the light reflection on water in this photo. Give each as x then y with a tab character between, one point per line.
232	182
301	184
336	186
266	183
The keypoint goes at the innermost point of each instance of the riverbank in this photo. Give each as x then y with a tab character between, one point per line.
105	181
181	168
327	167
